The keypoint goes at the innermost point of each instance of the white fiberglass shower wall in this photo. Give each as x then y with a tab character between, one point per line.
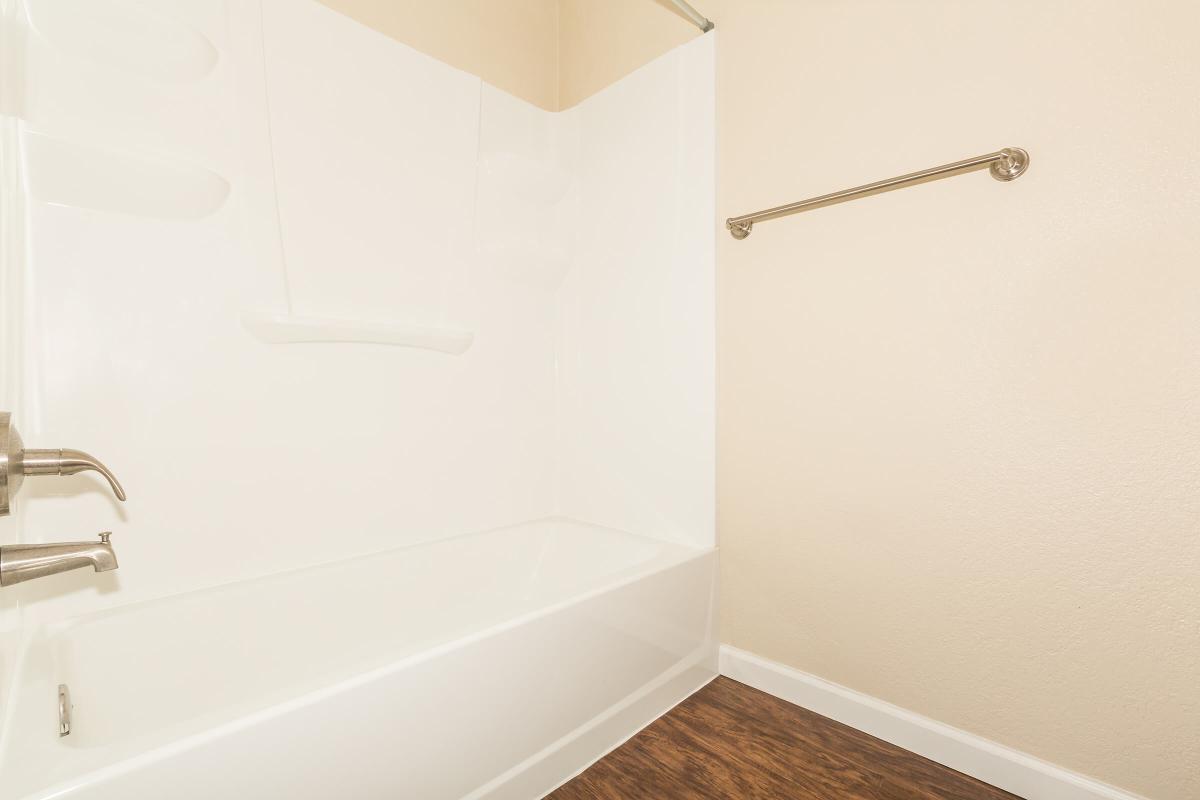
316	296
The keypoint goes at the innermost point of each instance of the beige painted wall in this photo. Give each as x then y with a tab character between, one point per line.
516	45
601	41
959	436
512	44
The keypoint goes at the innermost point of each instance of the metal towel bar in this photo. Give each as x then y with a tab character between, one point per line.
1005	165
698	19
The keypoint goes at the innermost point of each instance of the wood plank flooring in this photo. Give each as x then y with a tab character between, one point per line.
731	741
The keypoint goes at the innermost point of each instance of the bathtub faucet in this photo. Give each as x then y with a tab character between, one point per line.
23	562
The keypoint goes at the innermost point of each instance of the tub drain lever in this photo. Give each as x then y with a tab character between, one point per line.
64	709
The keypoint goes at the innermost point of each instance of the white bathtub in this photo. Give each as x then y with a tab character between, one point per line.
491	665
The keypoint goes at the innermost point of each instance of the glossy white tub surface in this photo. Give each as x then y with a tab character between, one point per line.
495	664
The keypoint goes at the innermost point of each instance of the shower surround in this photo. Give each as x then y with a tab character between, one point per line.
411	386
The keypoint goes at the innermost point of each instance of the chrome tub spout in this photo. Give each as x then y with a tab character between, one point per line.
23	562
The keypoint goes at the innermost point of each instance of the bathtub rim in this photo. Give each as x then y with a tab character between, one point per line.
677	556
677	552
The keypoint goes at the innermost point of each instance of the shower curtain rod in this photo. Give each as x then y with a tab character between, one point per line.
1005	165
695	16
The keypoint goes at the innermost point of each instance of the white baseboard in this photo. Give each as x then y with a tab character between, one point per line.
1003	767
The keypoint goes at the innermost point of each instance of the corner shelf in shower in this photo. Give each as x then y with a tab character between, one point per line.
279	328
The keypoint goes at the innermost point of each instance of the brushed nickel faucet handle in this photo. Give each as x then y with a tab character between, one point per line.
67	462
16	462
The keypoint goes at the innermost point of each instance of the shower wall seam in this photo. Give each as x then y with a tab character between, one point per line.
266	82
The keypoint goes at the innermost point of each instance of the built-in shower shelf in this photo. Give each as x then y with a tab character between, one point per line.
290	329
65	172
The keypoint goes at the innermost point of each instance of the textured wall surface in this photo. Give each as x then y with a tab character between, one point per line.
959	440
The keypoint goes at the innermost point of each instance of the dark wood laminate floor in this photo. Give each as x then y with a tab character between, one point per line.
731	741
